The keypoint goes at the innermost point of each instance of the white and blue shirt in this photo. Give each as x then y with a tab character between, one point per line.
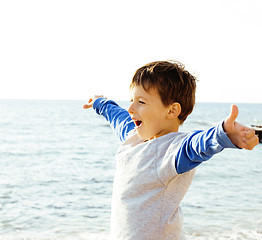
152	177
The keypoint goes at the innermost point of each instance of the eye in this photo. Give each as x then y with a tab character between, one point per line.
141	102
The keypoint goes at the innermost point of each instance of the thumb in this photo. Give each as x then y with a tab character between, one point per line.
89	104
233	114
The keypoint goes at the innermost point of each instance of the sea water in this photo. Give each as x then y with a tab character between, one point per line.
57	167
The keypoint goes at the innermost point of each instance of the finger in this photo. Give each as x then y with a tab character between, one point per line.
99	96
86	106
252	142
233	114
250	139
249	133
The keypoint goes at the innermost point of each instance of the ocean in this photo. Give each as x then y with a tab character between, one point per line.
57	167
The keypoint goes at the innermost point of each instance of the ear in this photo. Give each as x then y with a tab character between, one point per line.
174	110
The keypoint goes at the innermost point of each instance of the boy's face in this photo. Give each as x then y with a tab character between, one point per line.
149	113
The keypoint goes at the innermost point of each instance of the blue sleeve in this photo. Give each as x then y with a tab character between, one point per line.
119	118
200	146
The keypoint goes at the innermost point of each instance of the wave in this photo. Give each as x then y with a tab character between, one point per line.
239	234
47	236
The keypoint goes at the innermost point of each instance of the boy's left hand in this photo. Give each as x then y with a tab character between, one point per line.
241	136
91	101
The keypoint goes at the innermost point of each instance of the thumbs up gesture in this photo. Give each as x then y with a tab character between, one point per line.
91	101
241	136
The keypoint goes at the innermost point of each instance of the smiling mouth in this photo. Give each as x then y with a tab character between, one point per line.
138	123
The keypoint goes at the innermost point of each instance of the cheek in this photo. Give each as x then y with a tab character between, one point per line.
147	116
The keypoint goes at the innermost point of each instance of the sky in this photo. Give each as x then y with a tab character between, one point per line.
73	49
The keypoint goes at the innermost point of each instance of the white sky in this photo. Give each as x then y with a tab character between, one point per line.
72	49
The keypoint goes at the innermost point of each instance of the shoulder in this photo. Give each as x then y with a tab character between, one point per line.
172	140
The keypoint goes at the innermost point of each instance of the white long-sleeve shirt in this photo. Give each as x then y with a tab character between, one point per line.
152	177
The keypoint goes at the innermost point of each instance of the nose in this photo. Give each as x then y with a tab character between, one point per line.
131	108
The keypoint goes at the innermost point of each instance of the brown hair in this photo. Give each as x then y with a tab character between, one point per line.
172	81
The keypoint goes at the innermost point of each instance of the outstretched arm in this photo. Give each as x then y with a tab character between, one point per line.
240	135
200	146
119	118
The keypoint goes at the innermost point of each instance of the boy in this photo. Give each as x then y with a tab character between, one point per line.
155	164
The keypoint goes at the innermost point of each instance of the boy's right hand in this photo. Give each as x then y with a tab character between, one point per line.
91	101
